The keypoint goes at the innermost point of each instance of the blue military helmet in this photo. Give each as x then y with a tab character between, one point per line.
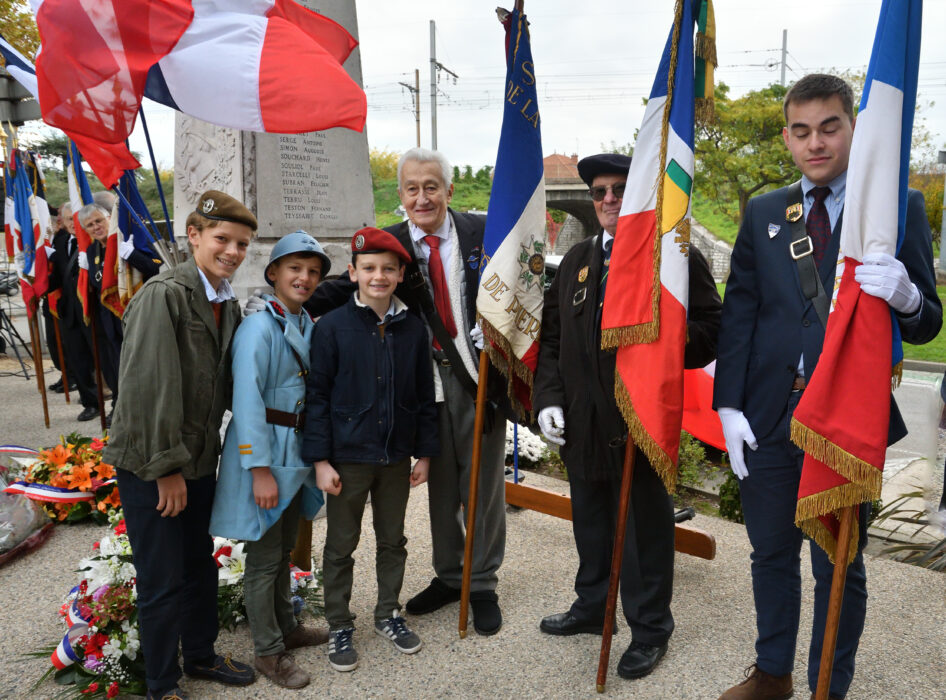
297	242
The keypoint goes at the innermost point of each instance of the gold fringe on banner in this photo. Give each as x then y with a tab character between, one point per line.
705	48
896	375
865	476
612	338
662	464
506	362
817	531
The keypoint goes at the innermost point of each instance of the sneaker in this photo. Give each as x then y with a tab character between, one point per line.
174	694
341	652
221	670
395	629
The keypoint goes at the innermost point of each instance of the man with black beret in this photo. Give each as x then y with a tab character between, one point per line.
574	398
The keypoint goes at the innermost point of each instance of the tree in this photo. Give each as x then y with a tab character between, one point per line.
383	164
741	152
18	26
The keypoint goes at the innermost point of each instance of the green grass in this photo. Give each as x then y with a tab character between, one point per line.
933	351
720	224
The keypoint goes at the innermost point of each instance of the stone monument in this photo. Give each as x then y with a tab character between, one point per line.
318	182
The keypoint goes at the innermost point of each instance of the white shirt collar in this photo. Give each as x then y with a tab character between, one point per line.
223	293
395	307
605	237
418	233
837	186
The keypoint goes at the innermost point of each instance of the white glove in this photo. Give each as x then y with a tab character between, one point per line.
126	248
476	335
885	277
552	424
83	261
50	251
254	303
737	431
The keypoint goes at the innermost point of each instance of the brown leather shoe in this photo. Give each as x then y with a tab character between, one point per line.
305	637
282	670
759	685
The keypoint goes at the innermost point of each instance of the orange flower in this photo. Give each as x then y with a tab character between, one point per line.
105	471
57	456
60	480
82	477
112	500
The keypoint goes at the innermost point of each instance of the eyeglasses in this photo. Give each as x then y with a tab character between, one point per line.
599	193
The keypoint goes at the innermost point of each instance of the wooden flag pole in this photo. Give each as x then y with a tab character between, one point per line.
828	646
38	361
474	491
62	360
616	558
98	370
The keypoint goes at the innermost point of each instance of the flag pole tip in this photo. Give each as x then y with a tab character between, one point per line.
600	687
462	634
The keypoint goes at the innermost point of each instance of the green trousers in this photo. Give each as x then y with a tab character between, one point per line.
266	583
389	486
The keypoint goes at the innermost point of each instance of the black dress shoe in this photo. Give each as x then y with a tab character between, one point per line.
565	624
487	617
88	413
222	670
434	597
56	386
640	659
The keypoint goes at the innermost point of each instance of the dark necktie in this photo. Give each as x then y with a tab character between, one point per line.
605	266
438	281
818	223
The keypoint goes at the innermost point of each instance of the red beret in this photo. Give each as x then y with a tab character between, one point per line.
374	240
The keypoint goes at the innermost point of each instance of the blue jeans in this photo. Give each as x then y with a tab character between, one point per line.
769	495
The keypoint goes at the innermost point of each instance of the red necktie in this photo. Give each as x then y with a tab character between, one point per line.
818	223
439	282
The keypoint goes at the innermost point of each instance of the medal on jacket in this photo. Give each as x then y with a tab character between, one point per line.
794	212
583	274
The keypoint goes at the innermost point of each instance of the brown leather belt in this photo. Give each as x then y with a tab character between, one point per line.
799	383
290	420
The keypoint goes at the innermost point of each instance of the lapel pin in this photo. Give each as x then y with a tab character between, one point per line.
583	274
773	230
794	212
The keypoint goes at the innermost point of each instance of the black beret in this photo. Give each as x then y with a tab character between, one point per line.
602	164
374	240
219	206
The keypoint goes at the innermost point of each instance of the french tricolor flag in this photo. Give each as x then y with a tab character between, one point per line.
842	420
258	65
509	299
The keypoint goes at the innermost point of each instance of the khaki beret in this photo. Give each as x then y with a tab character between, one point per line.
216	205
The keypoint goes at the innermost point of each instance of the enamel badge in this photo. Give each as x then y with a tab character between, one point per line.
583	274
773	230
794	212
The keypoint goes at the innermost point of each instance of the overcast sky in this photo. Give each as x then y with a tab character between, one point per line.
595	61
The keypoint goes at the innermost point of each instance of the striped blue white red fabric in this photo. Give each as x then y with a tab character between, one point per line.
842	420
509	300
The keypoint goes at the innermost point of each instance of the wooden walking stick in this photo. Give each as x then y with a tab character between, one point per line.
38	362
828	646
474	491
98	371
616	558
62	360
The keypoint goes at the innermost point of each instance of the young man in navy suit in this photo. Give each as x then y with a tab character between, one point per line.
769	344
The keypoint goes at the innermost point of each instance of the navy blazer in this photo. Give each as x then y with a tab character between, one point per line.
768	324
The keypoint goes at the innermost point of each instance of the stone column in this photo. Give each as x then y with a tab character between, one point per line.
318	182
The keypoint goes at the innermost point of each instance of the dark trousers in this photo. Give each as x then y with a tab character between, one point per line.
769	496
109	351
177	576
389	486
79	363
647	566
49	322
267	585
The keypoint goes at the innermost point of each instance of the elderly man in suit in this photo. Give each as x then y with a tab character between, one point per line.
440	285
769	344
574	397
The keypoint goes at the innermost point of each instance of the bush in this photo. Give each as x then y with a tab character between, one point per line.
383	164
693	467
730	504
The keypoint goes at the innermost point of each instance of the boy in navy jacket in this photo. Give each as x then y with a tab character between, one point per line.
370	407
